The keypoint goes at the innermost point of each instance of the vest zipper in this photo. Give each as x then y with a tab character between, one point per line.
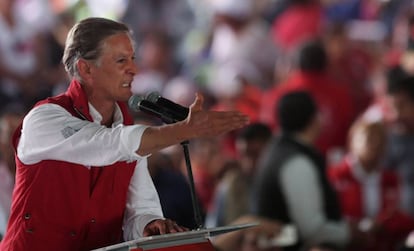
80	113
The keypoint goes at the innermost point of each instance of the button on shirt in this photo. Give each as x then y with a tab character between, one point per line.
51	132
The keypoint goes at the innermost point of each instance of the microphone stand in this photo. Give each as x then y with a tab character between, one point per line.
194	199
169	119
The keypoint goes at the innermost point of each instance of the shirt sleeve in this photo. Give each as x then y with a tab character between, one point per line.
143	204
304	199
51	132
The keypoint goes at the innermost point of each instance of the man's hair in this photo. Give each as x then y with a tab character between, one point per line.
295	111
255	131
312	56
402	85
85	40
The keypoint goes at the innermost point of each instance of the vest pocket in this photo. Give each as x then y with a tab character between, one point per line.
47	236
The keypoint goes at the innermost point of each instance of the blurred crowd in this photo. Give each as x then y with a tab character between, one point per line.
355	58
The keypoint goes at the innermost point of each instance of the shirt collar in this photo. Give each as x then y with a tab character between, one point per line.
97	117
79	99
82	106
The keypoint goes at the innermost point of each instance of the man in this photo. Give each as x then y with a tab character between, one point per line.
82	180
311	74
291	185
368	192
400	154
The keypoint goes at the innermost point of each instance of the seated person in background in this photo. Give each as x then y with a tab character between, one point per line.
292	186
10	118
310	73
368	193
233	191
400	152
170	182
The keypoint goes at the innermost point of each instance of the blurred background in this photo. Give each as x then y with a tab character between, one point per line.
241	55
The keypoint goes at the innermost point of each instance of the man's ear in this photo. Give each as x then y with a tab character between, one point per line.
84	69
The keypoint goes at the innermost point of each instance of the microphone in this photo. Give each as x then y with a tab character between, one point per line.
178	112
138	103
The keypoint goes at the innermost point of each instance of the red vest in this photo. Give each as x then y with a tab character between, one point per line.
64	206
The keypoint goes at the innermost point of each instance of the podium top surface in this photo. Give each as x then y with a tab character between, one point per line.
181	236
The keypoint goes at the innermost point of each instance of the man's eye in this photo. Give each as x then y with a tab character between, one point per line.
122	60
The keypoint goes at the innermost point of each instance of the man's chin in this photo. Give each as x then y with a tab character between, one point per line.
127	94
124	98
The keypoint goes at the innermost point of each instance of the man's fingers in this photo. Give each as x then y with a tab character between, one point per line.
156	227
163	227
173	227
222	122
197	105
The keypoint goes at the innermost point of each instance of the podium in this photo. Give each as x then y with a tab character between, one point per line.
194	240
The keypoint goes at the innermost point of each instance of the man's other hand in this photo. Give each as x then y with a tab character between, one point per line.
162	226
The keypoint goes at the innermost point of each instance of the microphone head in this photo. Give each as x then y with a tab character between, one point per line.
153	97
134	101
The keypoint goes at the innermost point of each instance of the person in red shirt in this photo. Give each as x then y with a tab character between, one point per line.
300	21
334	101
368	193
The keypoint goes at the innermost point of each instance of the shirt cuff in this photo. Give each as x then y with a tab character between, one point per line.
131	140
136	230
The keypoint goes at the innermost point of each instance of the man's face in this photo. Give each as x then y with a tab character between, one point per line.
112	74
368	144
403	108
249	152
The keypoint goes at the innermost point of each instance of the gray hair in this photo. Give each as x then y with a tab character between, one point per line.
85	40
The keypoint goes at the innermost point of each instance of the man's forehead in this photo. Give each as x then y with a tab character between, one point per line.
119	44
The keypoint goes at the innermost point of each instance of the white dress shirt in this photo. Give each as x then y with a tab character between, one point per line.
51	132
